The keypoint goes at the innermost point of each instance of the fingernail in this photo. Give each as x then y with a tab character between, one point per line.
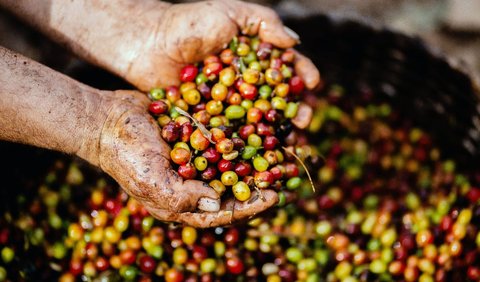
292	33
209	205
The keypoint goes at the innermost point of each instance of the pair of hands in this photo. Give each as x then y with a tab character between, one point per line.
128	141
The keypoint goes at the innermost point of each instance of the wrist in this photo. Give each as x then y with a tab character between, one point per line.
138	60
98	107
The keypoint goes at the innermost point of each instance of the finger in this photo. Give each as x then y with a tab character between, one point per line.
304	116
257	203
305	68
197	220
232	211
256	19
290	196
189	193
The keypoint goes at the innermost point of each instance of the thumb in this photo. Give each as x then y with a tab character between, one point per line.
195	190
187	193
256	19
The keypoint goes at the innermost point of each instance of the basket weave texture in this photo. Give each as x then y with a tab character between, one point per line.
439	97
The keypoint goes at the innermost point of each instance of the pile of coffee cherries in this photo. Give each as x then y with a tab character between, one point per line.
389	207
230	121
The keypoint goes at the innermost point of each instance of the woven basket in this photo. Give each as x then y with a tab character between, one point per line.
440	98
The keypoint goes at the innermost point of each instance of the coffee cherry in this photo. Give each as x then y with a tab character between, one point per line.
277	172
265	130
271	157
227	76
188	73
234	112
272	116
263	179
192	96
102	264
282	90
227	56
254	115
270	142
217	134
254	140
249	152
212	70
201	163
241	191
229	178
158	107
291	170
187	171
263	105
251	76
186	130
224	146
173	275
202	116
214	107
201	79
260	163
209	173
171	132
157	94
246	131
172	93
293	183
264	50
273	76
76	267
279	103
276	63
296	85
238	143
230	156
243	168
7	254
218	186
248	91
147	264
224	165
180	156
212	155
219	92
243	49
235	265
211	59
189	235
198	141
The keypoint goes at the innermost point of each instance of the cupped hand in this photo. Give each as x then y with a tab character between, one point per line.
187	33
132	151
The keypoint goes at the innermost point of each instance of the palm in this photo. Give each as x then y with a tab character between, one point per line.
188	33
133	153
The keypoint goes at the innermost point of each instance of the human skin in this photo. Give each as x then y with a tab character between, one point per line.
146	42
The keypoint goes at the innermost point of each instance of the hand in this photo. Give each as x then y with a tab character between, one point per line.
132	152
187	33
147	42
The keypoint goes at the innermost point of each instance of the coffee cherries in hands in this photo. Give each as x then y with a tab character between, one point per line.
227	120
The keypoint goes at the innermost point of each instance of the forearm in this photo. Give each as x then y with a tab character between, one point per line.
43	108
83	26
